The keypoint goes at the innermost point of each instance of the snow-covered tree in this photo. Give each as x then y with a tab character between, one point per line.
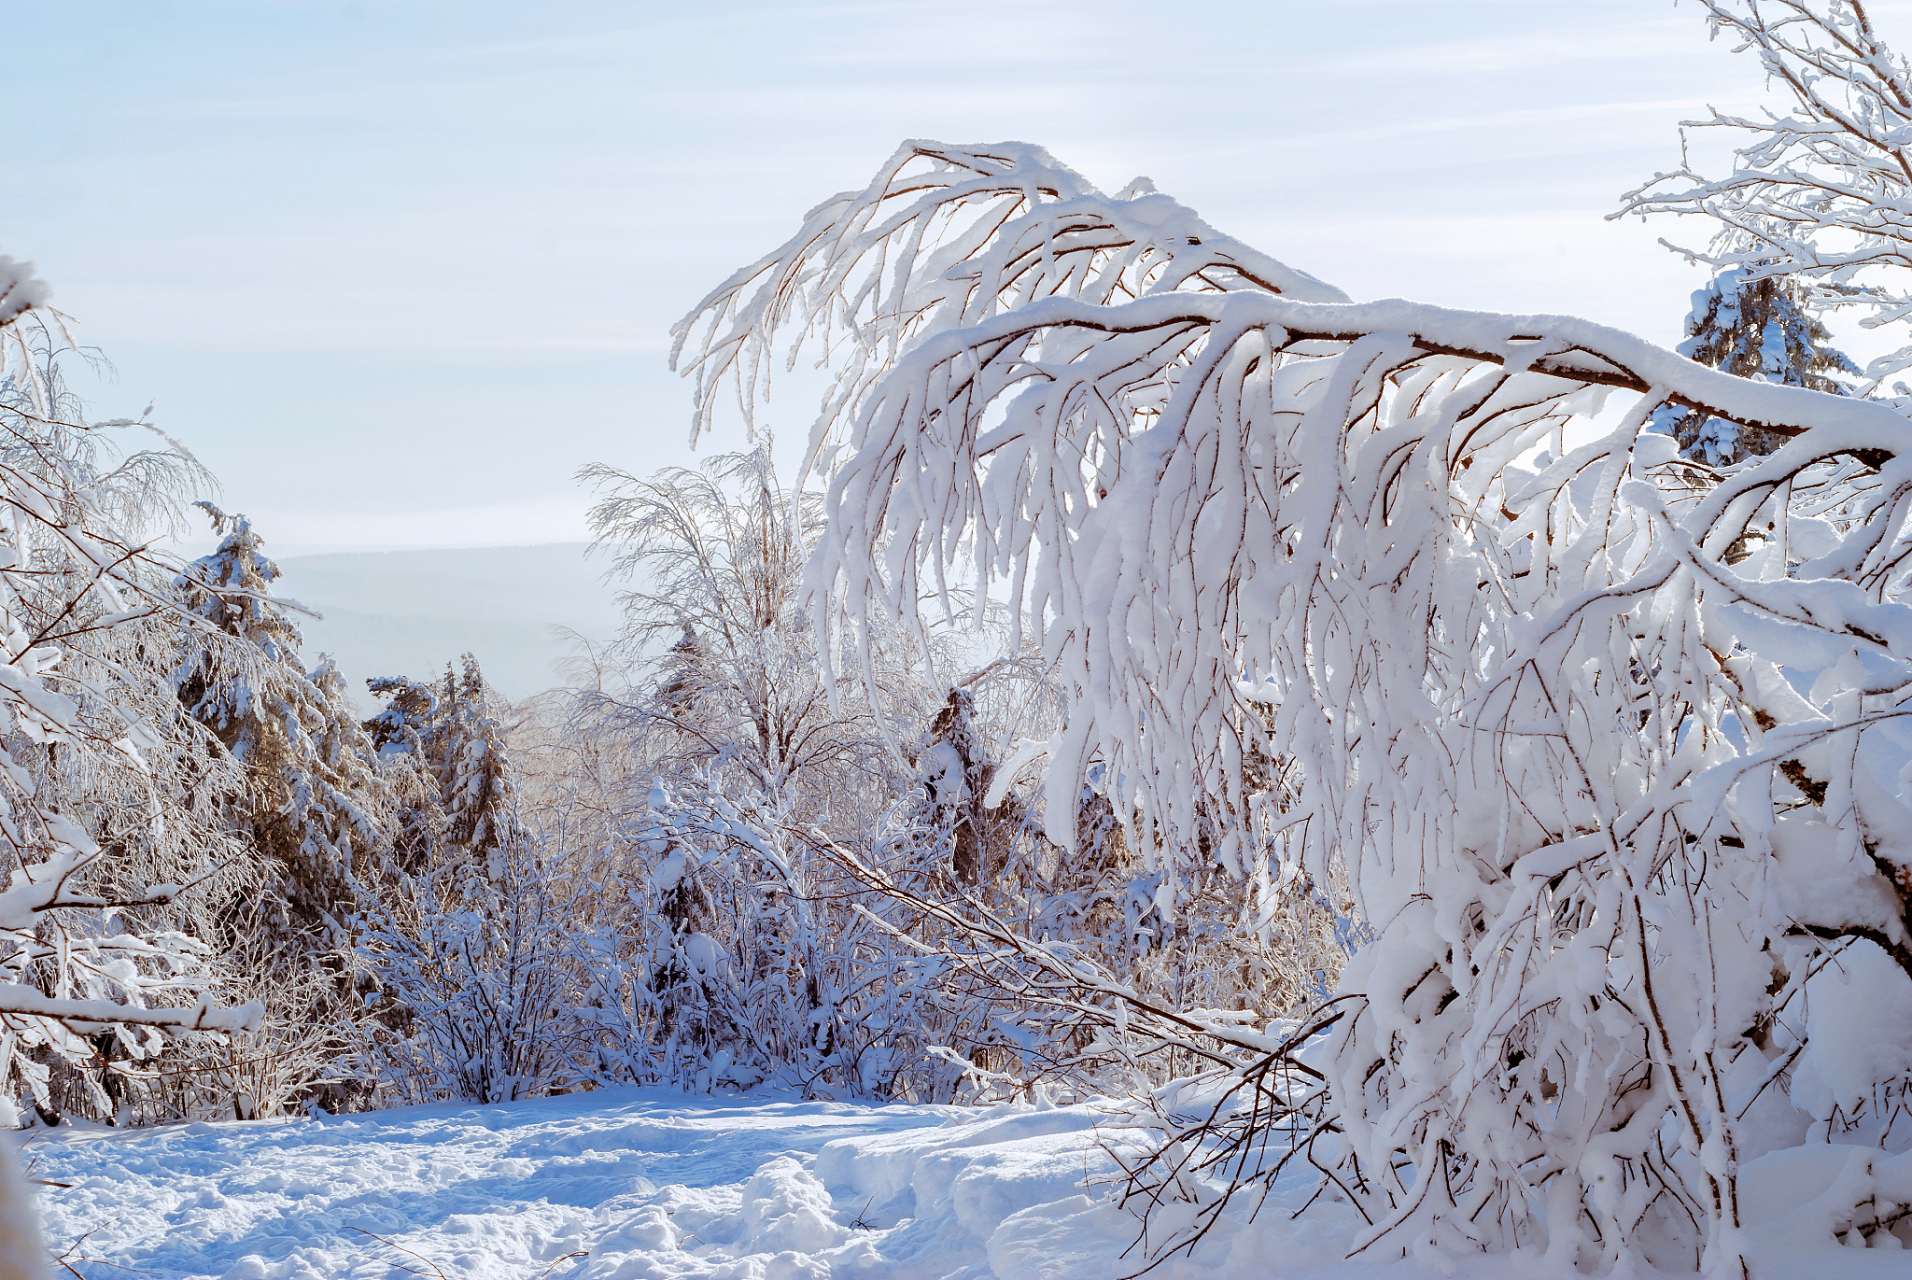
314	809
400	735
730	751
725	708
443	748
1756	327
474	771
1814	188
86	952
161	818
711	561
314	803
1614	767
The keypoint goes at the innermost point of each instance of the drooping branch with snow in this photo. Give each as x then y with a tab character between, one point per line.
1611	746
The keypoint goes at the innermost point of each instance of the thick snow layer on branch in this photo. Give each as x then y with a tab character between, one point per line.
20	289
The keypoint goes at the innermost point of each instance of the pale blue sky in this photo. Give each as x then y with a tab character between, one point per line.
397	269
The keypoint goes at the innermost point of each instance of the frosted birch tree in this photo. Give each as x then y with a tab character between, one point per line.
1615	764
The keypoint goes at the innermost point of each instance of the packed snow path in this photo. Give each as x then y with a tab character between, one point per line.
641	1183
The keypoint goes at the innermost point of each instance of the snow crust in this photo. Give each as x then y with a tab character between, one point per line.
650	1183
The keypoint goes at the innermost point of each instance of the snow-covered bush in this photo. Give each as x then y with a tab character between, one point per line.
738	963
970	881
475	933
1614	765
480	981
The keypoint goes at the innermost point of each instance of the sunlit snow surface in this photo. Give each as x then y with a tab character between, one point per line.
642	1184
646	1183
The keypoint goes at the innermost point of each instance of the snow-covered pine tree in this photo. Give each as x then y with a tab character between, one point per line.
480	932
314	807
314	802
467	747
401	735
1755	326
443	747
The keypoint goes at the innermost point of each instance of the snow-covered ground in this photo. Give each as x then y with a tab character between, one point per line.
651	1185
632	1183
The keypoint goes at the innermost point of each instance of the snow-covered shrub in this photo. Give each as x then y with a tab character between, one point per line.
1614	765
479	981
737	966
476	933
963	864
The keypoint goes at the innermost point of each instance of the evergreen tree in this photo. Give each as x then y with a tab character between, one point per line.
475	771
401	733
443	748
1756	328
314	803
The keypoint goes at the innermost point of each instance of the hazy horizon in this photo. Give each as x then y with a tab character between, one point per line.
409	612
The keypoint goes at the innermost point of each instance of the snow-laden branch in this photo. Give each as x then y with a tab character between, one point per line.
946	236
1609	744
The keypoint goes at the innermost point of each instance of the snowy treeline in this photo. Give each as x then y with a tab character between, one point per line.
759	856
